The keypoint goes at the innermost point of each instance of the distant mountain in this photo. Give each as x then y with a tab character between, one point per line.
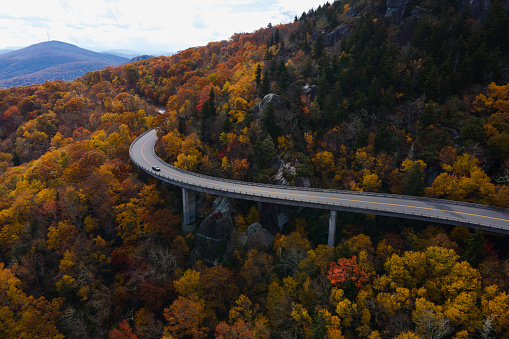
51	60
3	51
140	57
124	53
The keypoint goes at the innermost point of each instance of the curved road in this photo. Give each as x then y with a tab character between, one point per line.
434	210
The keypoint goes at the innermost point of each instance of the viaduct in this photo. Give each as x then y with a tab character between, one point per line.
434	210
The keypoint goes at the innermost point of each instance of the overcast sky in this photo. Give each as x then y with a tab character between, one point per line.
144	26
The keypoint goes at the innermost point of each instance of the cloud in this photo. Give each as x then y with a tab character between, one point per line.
198	22
145	26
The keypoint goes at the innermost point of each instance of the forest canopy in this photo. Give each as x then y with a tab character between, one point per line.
344	97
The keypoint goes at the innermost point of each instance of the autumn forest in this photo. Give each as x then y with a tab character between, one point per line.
345	97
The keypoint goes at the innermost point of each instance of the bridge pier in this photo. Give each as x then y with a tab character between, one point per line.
189	206
332	228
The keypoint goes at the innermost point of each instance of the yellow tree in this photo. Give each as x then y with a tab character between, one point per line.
189	284
464	181
23	316
186	318
324	163
494	306
279	302
370	181
408	270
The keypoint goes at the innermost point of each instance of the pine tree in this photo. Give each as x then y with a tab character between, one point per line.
474	252
265	89
258	75
319	47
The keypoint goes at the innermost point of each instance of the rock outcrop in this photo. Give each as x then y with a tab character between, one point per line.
310	90
288	170
302	182
274	217
396	10
479	8
405	34
352	12
258	236
213	234
270	98
333	37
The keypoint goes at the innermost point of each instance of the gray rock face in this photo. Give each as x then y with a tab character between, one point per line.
405	34
352	12
278	178
479	8
418	12
397	3
288	169
396	10
333	37
302	182
275	217
212	236
257	235
272	98
310	90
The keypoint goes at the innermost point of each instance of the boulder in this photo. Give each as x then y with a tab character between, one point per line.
257	235
213	234
271	98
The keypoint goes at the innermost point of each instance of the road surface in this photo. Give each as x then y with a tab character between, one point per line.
434	210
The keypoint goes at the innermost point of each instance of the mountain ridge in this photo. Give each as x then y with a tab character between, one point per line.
51	60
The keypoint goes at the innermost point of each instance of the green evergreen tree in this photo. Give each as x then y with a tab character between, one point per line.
268	119
319	47
266	151
265	88
258	75
474	251
282	76
414	183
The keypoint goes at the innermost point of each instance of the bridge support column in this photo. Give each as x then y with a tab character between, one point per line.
189	202
332	228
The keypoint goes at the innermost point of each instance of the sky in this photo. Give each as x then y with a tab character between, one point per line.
144	26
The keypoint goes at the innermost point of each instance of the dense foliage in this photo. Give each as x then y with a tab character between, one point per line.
90	247
364	113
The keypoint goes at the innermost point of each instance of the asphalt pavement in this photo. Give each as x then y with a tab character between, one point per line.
433	210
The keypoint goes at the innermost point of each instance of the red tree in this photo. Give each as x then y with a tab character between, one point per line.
345	270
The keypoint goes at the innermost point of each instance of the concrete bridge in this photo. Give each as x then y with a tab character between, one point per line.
433	210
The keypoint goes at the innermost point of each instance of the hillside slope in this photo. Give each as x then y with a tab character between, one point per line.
51	60
345	97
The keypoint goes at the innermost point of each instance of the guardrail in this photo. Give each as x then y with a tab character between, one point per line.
302	189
